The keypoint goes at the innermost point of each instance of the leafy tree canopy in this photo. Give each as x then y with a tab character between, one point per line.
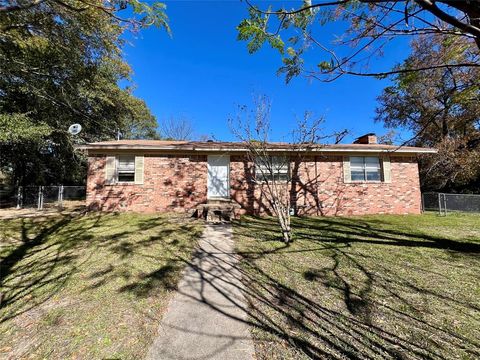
61	63
442	108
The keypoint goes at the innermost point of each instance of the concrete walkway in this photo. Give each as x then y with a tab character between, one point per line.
206	318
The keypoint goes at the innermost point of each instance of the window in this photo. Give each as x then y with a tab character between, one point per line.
365	168
126	169
273	167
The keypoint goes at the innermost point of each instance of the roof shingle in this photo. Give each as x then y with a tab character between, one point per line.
239	146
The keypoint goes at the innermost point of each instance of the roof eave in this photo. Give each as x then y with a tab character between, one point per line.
321	149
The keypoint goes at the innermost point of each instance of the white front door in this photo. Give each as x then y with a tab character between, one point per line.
218	180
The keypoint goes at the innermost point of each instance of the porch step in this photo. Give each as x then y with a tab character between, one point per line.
219	201
218	210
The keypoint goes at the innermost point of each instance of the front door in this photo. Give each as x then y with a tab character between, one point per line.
218	180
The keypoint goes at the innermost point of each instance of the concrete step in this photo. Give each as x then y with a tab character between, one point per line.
219	201
217	210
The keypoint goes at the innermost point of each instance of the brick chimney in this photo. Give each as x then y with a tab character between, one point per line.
369	138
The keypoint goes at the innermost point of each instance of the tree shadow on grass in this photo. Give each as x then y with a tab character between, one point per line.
352	305
352	230
371	293
50	251
163	278
349	315
32	267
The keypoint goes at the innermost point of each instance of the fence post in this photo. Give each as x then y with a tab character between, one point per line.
40	198
439	205
445	203
60	196
19	197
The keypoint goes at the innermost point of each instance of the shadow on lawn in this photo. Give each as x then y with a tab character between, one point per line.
387	324
24	273
350	327
353	333
352	230
52	250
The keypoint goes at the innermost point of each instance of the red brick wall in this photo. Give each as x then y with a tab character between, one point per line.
171	183
179	183
320	189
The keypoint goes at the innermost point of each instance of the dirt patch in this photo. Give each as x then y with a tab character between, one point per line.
67	208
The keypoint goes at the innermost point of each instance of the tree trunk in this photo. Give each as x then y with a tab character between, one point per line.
283	216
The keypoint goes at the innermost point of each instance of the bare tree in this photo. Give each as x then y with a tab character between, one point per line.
272	161
176	129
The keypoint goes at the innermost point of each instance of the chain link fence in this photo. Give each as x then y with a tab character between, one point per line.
7	196
444	203
42	197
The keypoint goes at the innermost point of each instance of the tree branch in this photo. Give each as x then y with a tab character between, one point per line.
435	10
4	9
299	10
399	71
428	5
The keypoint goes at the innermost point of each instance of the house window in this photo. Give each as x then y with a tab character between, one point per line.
365	168
126	168
272	168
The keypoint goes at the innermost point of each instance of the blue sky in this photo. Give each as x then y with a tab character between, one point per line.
203	73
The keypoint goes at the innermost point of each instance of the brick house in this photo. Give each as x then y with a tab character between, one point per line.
342	179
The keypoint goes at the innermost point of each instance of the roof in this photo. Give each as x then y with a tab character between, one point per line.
212	146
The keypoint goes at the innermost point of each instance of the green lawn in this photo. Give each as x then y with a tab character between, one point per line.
92	286
404	287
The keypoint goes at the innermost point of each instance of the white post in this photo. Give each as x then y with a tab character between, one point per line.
19	197
60	196
40	198
439	204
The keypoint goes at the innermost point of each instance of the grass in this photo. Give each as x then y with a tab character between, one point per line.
92	286
364	287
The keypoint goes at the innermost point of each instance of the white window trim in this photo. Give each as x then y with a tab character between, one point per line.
364	168
115	176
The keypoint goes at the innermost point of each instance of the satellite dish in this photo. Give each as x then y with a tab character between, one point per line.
75	129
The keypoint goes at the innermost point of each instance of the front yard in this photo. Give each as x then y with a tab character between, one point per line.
96	286
365	287
88	286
